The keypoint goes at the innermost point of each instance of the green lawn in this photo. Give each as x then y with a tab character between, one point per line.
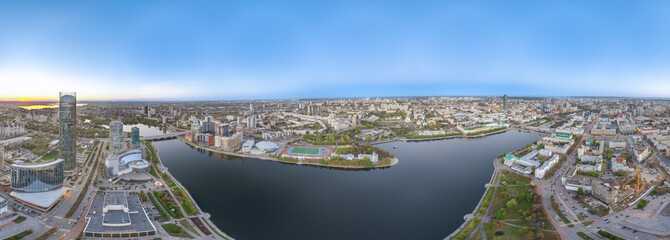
305	150
20	235
176	231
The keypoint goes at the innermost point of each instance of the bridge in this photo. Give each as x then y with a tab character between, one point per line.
163	137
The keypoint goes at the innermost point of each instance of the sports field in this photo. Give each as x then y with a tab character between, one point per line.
308	151
304	150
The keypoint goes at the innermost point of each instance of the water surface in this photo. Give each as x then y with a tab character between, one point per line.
424	196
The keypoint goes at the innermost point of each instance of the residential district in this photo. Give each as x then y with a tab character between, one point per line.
88	171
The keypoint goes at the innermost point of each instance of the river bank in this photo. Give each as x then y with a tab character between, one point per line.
202	214
393	161
444	137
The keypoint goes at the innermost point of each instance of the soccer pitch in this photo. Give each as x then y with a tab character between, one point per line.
304	150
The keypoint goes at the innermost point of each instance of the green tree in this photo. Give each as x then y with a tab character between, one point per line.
500	214
511	203
580	191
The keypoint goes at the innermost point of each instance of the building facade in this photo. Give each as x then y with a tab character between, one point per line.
41	177
116	136
135	137
67	115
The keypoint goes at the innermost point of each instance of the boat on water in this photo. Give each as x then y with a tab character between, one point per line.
395	147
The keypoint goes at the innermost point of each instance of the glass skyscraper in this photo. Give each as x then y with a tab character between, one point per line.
39	177
68	117
135	137
115	136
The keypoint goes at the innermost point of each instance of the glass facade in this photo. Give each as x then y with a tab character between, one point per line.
39	177
135	137
116	136
67	113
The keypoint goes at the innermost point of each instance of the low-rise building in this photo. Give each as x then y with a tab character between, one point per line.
606	190
641	153
542	170
117	215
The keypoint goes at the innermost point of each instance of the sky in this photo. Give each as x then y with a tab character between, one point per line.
239	50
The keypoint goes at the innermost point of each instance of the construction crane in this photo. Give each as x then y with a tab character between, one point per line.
636	176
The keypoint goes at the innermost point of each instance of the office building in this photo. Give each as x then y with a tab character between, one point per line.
2	157
67	115
38	185
505	102
251	121
135	137
116	136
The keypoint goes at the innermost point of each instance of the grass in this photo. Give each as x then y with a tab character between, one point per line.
19	219
186	202
556	208
20	235
53	155
175	230
608	235
214	229
168	203
465	232
188	226
487	200
584	236
47	234
160	210
305	150
509	232
601	210
85	188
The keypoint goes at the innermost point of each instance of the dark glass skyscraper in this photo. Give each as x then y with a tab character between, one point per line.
68	117
135	137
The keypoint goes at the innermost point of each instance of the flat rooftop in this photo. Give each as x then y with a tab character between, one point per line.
136	216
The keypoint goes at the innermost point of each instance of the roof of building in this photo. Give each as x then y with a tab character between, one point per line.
40	199
136	216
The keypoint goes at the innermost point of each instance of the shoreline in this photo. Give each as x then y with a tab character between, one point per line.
394	161
202	214
490	184
445	137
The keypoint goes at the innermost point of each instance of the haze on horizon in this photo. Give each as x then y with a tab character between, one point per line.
210	50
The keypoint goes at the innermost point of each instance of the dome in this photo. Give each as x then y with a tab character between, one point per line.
266	146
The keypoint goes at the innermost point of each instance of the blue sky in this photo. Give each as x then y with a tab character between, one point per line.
204	50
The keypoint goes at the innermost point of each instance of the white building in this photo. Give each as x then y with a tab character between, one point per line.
641	153
539	172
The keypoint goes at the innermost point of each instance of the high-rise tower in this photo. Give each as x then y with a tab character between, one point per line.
505	102
135	137
2	157
67	115
251	121
115	136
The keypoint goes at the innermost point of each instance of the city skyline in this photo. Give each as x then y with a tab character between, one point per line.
261	50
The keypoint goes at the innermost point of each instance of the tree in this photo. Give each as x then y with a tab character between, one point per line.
511	203
580	191
500	214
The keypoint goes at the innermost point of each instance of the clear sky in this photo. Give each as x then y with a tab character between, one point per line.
208	50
